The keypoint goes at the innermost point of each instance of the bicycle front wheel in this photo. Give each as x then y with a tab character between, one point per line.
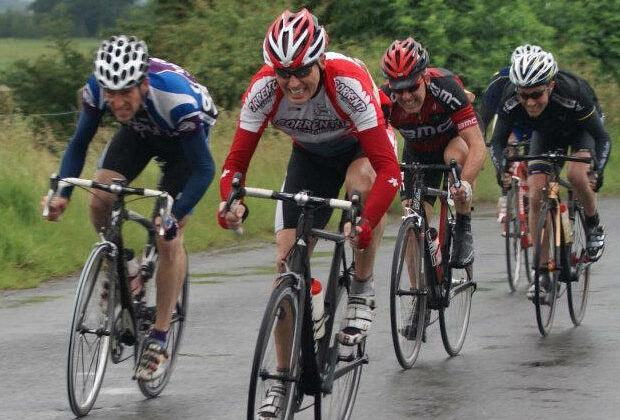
407	294
89	337
152	389
281	329
546	286
516	256
338	404
579	283
454	316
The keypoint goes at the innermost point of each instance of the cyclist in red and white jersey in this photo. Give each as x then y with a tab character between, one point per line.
433	112
328	104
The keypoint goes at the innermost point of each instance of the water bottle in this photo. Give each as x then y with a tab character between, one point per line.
318	309
433	245
565	224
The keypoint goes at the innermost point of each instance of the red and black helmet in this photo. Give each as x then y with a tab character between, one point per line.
404	62
294	40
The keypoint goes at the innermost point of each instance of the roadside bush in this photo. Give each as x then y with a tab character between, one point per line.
48	85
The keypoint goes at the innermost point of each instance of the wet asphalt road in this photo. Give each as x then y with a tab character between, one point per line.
505	371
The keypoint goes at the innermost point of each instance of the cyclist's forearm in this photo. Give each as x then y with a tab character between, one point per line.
595	127
476	155
75	156
197	152
498	142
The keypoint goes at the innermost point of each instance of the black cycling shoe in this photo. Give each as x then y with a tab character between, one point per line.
595	242
463	243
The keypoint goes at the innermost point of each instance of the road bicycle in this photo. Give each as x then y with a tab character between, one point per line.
108	319
515	225
560	257
420	280
319	368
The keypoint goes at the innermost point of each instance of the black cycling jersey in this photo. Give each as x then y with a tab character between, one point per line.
572	107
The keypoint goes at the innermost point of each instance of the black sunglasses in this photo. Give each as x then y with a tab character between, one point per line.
409	89
299	72
534	95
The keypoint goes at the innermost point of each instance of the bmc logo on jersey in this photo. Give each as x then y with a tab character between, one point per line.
262	96
426	131
445	96
355	102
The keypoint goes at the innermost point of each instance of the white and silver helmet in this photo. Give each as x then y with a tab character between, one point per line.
533	69
524	49
121	62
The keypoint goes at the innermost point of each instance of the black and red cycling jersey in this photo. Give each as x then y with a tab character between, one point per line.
445	112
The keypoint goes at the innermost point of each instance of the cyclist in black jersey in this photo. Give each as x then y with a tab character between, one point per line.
490	104
563	111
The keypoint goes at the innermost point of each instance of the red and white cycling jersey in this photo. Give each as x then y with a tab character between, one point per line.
344	110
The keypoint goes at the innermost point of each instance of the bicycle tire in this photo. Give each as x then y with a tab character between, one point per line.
406	301
338	405
578	287
264	365
454	316
516	256
152	389
91	328
545	228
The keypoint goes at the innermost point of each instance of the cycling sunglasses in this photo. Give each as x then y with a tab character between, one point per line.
299	72
534	95
409	89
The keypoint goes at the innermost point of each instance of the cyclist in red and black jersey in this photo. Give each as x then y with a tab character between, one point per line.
563	111
433	112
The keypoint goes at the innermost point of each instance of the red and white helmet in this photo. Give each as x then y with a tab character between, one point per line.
403	62
294	40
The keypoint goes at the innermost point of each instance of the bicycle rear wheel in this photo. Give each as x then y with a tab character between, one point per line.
282	312
579	285
89	338
338	405
454	317
152	389
407	302
545	274
517	263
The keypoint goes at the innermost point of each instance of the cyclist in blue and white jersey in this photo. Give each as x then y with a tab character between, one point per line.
489	107
164	114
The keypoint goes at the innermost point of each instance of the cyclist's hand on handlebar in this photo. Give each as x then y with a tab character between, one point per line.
171	228
56	207
363	234
504	178
461	194
233	218
596	180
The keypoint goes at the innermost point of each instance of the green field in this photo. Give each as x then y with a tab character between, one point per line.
13	49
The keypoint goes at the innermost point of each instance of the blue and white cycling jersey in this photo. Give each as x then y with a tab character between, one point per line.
175	102
175	107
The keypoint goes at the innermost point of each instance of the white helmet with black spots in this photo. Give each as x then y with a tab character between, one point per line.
294	40
524	49
533	69
121	62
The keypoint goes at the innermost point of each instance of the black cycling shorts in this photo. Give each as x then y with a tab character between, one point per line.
319	175
129	152
581	140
